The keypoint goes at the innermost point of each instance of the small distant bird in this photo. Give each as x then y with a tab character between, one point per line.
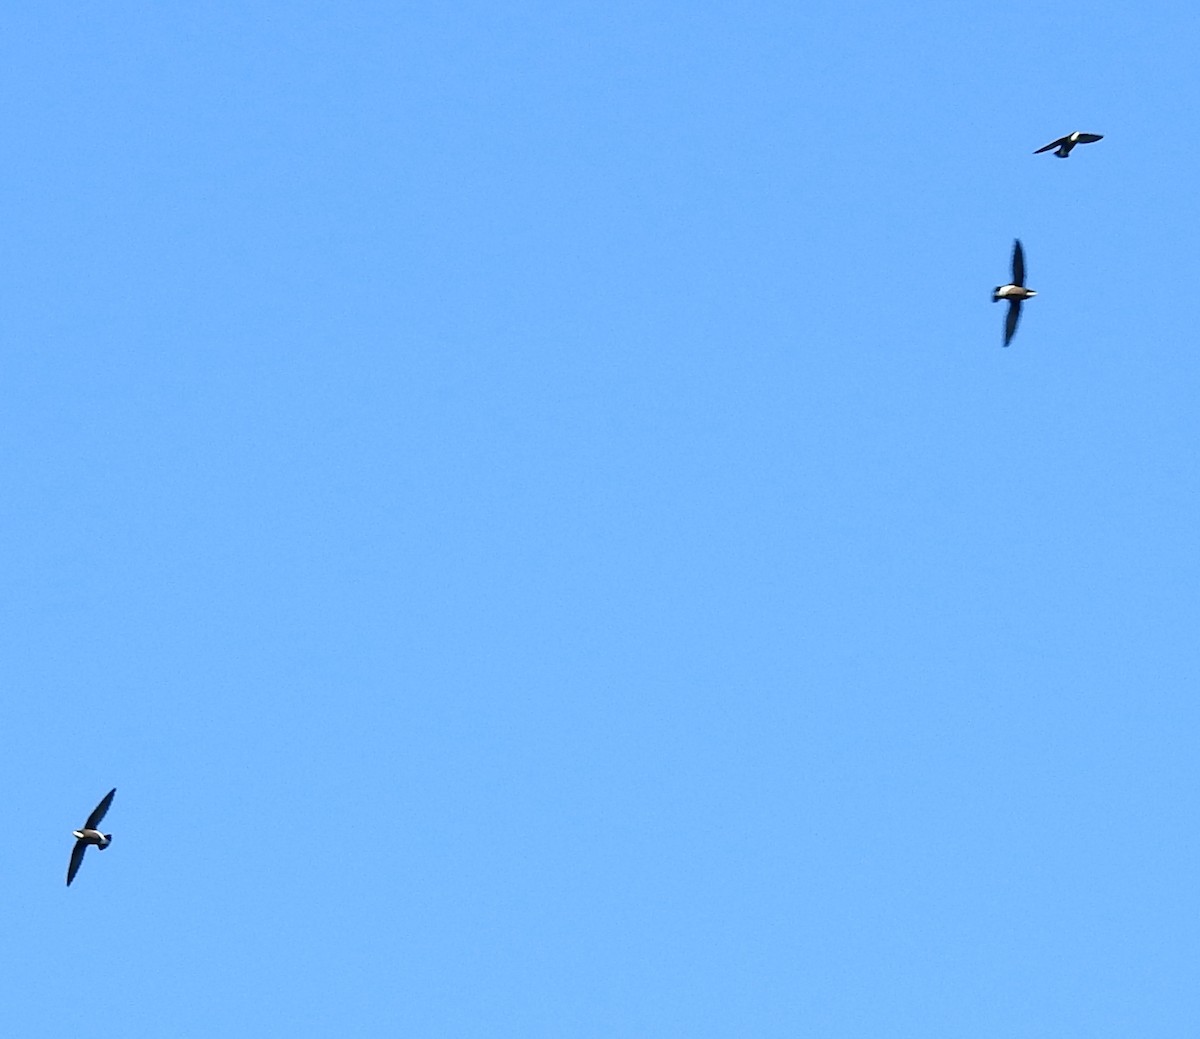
1065	144
90	835
1015	292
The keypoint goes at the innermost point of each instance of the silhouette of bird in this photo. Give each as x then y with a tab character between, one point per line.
1065	144
1015	292
90	835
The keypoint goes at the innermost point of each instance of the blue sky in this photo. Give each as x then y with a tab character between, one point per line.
529	507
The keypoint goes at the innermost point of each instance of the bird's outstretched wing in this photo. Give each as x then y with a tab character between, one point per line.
1090	138
1054	144
99	811
1010	322
76	859
1018	271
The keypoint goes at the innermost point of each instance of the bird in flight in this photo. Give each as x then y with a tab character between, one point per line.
90	835
1015	292
1065	144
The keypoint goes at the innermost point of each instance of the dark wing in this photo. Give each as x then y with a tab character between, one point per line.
1010	322
100	810
1090	138
1018	269
1053	144
76	859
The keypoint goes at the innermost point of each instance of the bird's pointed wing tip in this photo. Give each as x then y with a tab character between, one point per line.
1010	320
76	860
99	811
1018	262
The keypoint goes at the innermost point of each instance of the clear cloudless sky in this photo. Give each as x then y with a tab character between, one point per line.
528	505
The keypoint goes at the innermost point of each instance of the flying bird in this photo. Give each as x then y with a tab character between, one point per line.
1015	292
90	835
1065	144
